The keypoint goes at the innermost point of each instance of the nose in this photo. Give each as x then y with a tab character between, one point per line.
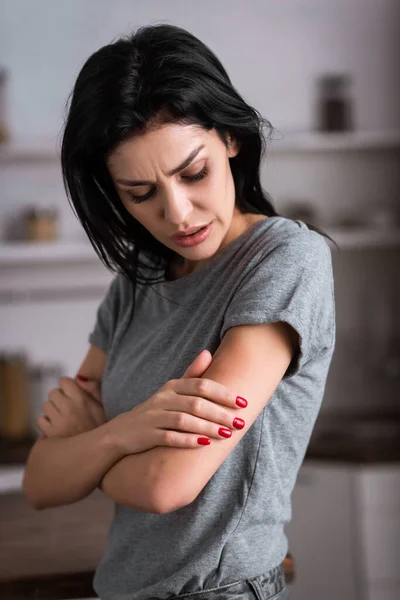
177	207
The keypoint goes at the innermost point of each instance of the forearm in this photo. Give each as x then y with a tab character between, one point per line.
132	482
64	470
139	481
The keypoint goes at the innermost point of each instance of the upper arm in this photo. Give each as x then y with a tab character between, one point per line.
269	349
94	363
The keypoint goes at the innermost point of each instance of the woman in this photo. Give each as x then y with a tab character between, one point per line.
199	450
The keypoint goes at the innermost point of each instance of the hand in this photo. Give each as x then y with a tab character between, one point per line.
71	410
178	413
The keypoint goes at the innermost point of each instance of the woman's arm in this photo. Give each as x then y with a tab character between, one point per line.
64	470
176	476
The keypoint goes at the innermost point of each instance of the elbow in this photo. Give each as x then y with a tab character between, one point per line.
36	505
32	498
35	496
169	497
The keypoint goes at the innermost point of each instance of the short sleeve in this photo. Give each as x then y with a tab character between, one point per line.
107	317
292	282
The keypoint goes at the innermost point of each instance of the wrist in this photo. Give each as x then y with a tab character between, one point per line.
110	440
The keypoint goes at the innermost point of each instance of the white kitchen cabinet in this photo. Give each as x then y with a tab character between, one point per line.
321	533
345	532
48	302
386	591
379	530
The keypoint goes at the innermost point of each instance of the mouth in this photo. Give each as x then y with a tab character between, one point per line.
193	231
194	238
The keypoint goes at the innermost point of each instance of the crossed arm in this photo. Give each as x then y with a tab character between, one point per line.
164	479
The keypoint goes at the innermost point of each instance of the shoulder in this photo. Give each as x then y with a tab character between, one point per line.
289	278
289	233
120	285
118	295
286	248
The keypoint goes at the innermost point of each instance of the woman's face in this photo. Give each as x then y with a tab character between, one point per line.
166	199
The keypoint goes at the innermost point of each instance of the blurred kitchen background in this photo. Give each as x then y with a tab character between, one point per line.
325	74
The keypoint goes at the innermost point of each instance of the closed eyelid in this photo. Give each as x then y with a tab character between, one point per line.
188	161
142	183
194	178
197	171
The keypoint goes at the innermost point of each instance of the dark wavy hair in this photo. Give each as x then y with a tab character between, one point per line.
157	75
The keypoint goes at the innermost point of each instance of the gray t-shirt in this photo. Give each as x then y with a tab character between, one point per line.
278	270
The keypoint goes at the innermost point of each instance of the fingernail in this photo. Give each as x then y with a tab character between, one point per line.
203	441
225	432
82	378
238	423
241	402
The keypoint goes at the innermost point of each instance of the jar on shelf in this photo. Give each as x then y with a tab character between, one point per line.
334	107
14	396
4	131
41	224
42	378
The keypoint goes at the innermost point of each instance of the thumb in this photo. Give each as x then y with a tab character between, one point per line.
90	386
199	366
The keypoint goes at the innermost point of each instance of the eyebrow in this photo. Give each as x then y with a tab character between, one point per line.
180	167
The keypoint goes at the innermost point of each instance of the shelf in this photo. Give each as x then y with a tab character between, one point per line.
11	478
17	253
308	141
364	238
14	253
335	142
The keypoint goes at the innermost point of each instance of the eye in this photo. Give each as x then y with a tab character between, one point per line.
200	175
139	199
197	177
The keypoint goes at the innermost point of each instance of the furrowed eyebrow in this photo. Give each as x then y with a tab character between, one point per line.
180	167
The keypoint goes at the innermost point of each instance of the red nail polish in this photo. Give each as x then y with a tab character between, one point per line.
82	378
241	402
238	423
225	432
203	441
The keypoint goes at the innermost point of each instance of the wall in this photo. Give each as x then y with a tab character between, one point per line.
273	50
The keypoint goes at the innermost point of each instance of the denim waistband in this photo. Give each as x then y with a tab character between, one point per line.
262	587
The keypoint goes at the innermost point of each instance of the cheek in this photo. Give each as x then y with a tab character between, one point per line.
217	185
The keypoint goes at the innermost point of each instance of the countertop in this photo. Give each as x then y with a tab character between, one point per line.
354	452
360	439
51	553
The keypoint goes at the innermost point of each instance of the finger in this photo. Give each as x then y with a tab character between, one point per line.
211	412
55	406
43	424
91	387
208	389
70	388
182	421
55	398
200	364
176	439
51	411
59	400
96	410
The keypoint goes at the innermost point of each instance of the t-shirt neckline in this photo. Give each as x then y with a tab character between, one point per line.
186	279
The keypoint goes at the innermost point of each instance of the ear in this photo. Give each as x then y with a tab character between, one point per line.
233	147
